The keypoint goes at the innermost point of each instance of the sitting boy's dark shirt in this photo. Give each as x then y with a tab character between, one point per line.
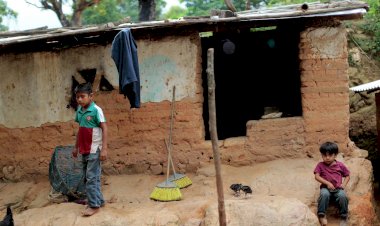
332	173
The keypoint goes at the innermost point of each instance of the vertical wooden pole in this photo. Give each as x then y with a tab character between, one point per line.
214	135
377	101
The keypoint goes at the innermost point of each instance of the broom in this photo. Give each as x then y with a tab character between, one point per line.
167	190
180	180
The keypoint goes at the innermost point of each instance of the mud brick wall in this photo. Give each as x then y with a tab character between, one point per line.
26	152
40	121
136	137
324	87
325	103
276	138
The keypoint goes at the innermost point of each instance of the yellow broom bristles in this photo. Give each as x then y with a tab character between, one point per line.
165	192
180	180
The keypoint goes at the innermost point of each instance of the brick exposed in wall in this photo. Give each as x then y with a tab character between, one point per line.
324	82
276	138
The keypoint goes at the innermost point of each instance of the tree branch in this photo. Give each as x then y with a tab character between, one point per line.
37	6
56	6
83	4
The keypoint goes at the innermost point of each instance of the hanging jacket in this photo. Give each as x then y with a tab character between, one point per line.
124	54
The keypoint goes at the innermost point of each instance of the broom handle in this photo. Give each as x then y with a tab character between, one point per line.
167	169
171	159
169	147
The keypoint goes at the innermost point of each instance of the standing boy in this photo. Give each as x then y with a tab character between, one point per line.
330	174
91	144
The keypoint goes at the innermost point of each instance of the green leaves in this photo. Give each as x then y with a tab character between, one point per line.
5	12
110	11
115	10
203	7
371	27
175	12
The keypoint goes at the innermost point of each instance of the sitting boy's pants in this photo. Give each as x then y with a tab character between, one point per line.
340	197
92	171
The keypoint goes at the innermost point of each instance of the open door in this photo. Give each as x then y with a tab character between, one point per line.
256	70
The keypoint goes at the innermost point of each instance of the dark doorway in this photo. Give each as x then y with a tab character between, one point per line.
255	69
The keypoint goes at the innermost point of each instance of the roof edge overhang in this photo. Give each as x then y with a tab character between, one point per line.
367	87
56	39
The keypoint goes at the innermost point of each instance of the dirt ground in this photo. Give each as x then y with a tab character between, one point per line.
128	201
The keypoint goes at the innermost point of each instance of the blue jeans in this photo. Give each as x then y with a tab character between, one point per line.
92	171
340	198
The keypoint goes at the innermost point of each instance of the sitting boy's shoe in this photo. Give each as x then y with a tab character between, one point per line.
322	220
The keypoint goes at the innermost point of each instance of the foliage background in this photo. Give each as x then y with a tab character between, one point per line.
371	27
5	12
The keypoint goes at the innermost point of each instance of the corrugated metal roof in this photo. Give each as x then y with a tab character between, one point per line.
49	39
306	10
49	33
371	86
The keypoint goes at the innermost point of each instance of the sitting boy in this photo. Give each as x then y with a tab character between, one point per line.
329	173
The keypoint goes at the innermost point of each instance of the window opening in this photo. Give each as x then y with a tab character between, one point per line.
105	85
88	74
73	101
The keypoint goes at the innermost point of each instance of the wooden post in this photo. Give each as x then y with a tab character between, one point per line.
377	102
214	135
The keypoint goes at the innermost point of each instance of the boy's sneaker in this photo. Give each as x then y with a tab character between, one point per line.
322	219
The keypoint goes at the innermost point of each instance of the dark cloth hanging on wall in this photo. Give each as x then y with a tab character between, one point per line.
124	53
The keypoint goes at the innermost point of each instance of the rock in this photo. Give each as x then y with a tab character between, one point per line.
156	169
68	214
361	176
13	194
357	152
355	54
289	178
263	210
11	173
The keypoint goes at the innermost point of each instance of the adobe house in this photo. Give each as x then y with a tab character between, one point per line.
281	89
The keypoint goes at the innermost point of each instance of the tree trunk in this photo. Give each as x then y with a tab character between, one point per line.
147	10
76	21
56	7
230	5
78	8
214	135
248	5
